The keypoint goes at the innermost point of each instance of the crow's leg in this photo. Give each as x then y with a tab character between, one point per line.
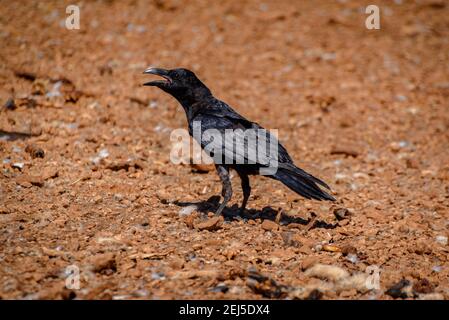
246	188
223	173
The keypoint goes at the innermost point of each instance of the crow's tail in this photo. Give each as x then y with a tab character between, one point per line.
302	182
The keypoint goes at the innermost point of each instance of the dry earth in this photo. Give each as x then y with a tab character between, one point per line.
86	178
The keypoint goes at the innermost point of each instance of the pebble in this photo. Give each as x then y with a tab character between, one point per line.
269	225
157	276
18	165
441	240
104	153
437	268
186	211
10	104
104	262
352	258
211	224
308	262
331	248
348	249
27	181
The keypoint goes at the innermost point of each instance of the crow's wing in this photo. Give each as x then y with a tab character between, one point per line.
223	110
228	136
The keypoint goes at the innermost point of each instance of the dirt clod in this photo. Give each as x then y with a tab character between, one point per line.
35	151
10	104
211	224
363	110
400	289
26	180
104	263
342	213
269	225
423	286
265	286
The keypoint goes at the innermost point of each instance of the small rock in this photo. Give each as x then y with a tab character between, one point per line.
189	220
437	269
423	286
4	209
348	249
352	258
27	181
265	286
177	263
422	247
118	197
396	146
290	239
404	228
219	288
102	154
305	249
97	199
212	224
412	163
202	168
67	294
441	240
104	263
50	173
10	104
331	248
315	294
269	225
186	211
158	276
17	165
35	151
52	252
127	165
347	151
400	290
308	262
342	213
56	291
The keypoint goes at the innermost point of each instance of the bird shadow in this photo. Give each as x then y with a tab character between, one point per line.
267	213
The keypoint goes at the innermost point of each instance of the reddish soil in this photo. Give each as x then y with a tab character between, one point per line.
86	177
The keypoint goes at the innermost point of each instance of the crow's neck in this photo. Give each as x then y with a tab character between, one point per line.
188	99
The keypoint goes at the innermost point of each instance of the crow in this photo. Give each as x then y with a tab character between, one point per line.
215	116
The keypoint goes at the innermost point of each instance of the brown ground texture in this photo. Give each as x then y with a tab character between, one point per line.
86	178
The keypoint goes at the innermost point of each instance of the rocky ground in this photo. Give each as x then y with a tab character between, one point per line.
86	178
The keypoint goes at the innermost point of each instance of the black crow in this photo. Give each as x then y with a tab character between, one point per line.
203	108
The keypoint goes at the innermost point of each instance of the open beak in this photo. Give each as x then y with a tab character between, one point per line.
159	72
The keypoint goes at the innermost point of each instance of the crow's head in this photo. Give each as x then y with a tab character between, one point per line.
180	83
